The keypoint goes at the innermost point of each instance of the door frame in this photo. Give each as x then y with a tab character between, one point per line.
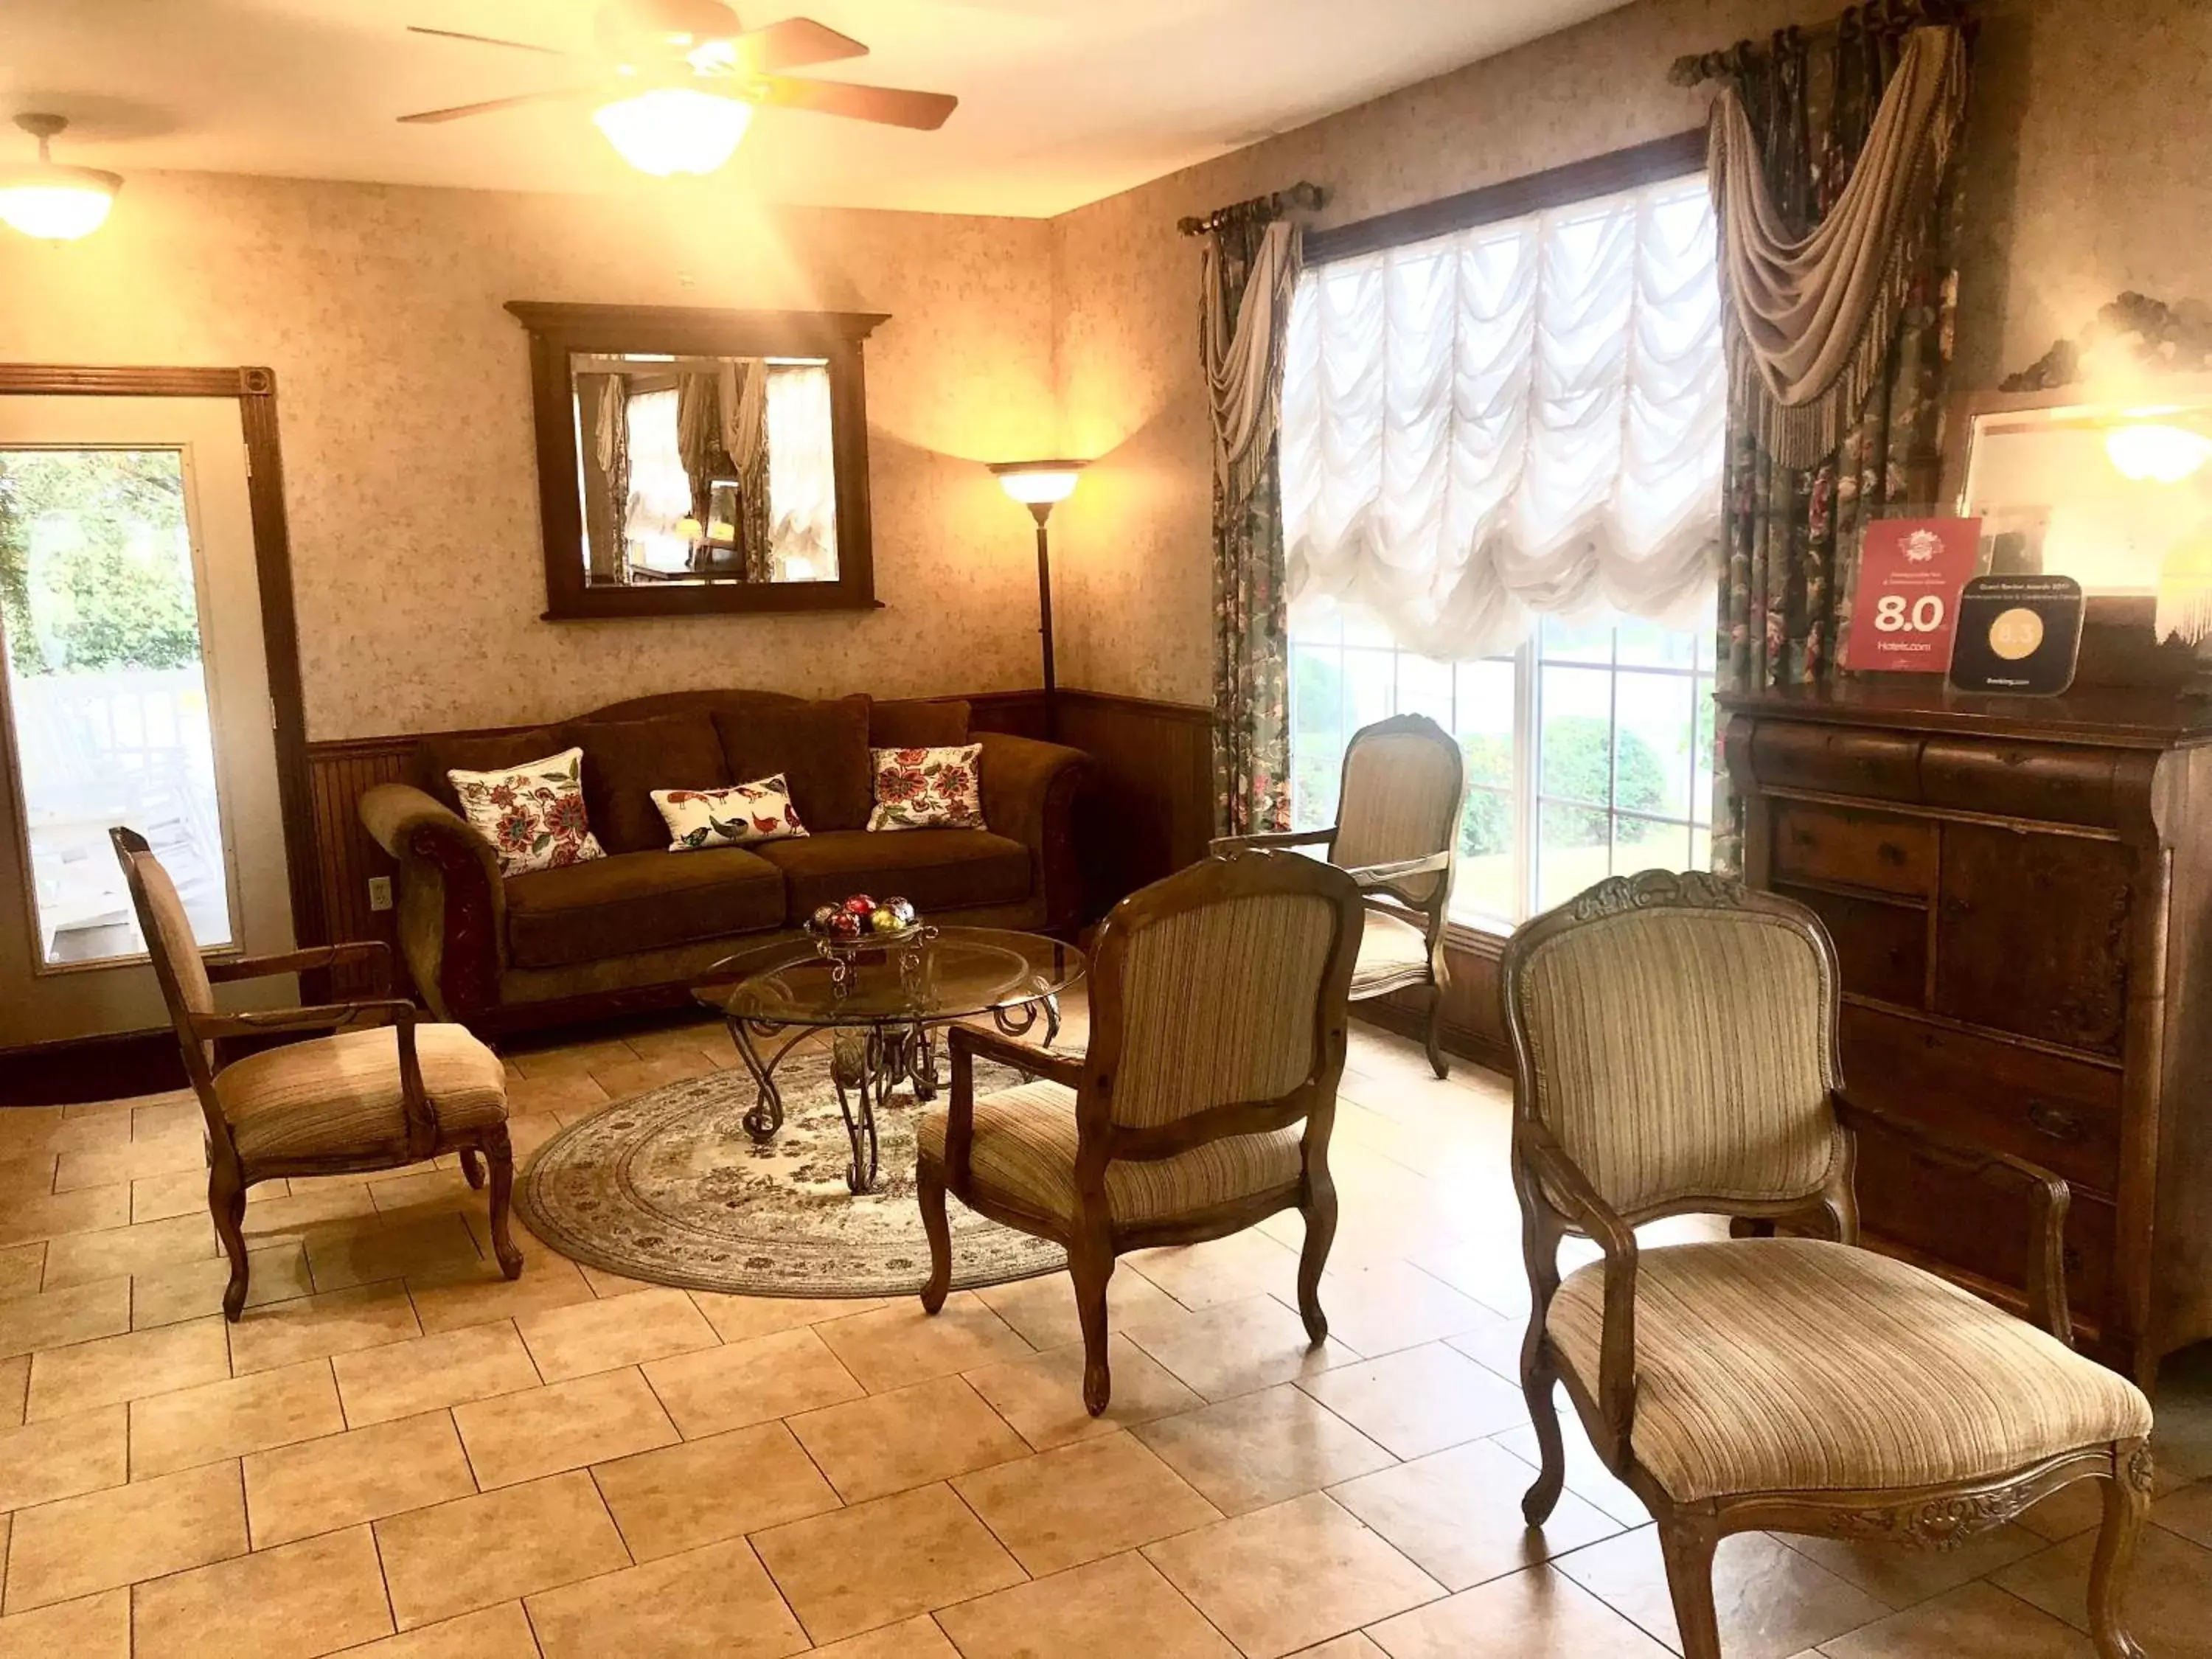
254	390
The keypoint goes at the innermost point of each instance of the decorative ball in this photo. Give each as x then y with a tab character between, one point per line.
902	908
882	920
824	918
860	904
845	925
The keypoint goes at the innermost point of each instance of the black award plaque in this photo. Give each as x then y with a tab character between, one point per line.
2017	635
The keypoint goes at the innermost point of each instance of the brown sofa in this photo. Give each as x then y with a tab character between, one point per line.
631	930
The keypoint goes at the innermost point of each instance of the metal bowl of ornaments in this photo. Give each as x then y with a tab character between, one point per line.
862	923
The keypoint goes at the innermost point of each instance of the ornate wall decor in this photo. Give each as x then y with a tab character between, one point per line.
2133	333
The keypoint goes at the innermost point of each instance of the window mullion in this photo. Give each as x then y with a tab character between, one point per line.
1527	721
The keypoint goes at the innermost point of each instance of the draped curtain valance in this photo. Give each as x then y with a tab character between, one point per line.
1523	417
1811	315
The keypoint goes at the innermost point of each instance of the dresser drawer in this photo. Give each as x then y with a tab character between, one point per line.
2062	1114
2055	782
1978	1228
1882	947
1837	760
1872	850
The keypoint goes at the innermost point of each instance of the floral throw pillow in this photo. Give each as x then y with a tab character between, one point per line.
760	811
928	788
532	814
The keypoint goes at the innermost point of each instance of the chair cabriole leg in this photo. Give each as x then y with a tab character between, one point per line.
1320	1212
472	1169
1433	1040
498	1153
1688	1542
1091	1264
929	1192
227	1206
2127	1501
1538	1383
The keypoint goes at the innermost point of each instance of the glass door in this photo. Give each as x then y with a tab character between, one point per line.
135	692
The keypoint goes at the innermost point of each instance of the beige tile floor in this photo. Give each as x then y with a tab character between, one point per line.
396	1453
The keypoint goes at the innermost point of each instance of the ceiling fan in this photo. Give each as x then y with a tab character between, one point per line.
683	78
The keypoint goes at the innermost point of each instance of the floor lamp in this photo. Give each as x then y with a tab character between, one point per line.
1040	486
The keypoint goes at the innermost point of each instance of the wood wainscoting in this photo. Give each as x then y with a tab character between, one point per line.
1149	813
1475	1025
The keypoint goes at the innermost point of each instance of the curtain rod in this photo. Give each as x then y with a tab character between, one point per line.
1301	197
1878	17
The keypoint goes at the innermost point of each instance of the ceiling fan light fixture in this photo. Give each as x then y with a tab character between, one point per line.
672	129
53	202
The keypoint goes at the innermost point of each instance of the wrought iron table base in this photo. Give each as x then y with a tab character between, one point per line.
867	1063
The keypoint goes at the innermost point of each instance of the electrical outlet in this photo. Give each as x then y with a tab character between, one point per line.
379	892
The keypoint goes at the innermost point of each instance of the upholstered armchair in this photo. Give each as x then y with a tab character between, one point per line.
1203	1102
1675	1040
379	1092
1397	832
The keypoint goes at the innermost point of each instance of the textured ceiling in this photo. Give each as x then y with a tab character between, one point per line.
1061	102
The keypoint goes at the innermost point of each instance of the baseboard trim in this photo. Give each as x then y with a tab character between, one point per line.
77	1070
1463	1041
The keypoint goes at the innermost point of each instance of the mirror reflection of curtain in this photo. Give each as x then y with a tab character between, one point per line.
660	493
699	439
802	469
743	388
603	417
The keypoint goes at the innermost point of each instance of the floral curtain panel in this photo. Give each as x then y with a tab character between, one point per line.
1793	532
1251	265
1519	418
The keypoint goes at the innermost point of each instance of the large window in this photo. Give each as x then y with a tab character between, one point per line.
1589	749
1501	458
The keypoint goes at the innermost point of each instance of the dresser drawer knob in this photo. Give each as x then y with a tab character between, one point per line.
2054	1121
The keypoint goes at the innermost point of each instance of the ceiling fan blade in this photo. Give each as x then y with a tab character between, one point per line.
793	43
429	116
485	40
891	107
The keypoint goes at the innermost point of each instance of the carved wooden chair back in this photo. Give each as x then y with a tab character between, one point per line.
1217	1008
1676	1036
186	990
1403	788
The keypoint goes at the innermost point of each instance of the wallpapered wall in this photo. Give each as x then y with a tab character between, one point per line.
403	394
2087	169
404	386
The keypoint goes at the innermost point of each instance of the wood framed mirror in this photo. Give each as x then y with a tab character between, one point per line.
2111	490
697	462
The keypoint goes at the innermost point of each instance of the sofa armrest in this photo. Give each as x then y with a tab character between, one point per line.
452	899
1029	795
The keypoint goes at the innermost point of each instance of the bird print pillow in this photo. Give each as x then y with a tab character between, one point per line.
736	817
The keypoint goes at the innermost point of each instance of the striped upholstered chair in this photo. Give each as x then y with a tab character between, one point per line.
1674	1039
1397	832
379	1092
1202	1106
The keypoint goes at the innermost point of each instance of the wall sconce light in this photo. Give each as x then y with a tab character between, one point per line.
1040	486
2153	451
53	202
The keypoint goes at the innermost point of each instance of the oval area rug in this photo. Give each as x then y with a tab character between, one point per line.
668	1187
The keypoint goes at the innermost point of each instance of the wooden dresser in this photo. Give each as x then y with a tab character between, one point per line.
2019	891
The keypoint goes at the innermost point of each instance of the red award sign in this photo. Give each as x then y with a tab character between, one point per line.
1907	607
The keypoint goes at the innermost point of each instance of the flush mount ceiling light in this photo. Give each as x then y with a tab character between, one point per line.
674	130
681	80
53	202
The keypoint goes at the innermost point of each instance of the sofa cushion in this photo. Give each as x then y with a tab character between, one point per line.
463	751
637	902
822	748
624	761
919	724
937	869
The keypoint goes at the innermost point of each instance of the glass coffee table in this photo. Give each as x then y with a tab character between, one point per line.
884	1002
